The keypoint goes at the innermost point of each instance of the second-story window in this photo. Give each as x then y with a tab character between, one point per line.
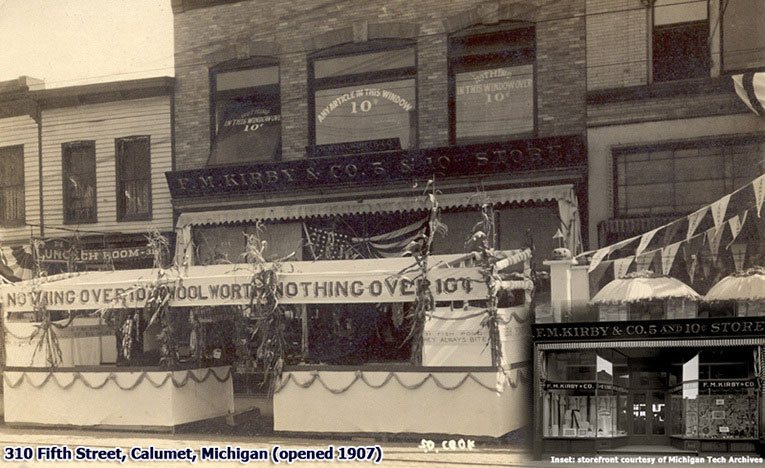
79	173
680	40
492	83
246	108
743	35
133	178
12	186
364	96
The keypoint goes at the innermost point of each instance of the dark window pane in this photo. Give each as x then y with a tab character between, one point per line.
681	51
12	185
134	178
364	63
79	171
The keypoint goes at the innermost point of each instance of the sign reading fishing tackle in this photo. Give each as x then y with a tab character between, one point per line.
452	284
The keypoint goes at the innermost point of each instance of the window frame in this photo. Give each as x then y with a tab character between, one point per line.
16	222
356	79
723	70
520	55
120	198
721	141
66	149
240	65
677	25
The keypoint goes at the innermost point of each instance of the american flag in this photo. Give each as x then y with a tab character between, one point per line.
331	245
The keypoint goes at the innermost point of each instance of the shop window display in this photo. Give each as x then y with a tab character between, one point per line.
585	395
717	399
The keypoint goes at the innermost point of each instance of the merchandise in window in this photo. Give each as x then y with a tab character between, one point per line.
79	174
246	114
12	186
133	178
364	97
492	83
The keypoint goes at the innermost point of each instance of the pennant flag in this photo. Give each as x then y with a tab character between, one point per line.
739	253
644	241
596	275
736	223
558	234
759	192
622	266
645	260
598	257
750	87
691	249
718	210
714	235
694	219
668	254
669	233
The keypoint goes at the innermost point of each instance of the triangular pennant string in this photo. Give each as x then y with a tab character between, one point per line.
736	223
644	241
598	257
694	219
622	266
758	185
714	235
668	255
738	251
645	260
669	233
718	210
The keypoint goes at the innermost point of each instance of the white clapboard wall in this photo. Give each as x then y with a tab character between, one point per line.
22	130
103	123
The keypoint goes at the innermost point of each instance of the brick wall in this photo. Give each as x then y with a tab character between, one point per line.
206	36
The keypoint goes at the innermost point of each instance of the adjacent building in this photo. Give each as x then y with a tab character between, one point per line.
101	151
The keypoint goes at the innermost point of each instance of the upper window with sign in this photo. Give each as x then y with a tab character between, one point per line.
680	40
364	100
492	83
246	120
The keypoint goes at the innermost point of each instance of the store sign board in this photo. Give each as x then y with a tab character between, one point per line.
379	168
583	386
452	284
62	251
737	327
727	384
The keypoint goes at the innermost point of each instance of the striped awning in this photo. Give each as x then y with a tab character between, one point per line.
694	343
375	205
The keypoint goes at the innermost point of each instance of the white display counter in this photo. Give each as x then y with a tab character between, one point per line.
423	400
116	398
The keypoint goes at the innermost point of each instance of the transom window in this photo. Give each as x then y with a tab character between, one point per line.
492	83
246	120
363	96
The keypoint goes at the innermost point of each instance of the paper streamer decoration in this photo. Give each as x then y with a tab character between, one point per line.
718	209
694	219
622	266
645	240
668	254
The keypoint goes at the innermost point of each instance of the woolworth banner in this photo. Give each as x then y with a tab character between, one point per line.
447	284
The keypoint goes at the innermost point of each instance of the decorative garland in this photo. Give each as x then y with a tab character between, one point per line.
113	377
359	376
513	316
484	238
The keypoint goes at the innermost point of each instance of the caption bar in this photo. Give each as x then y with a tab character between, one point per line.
660	460
210	453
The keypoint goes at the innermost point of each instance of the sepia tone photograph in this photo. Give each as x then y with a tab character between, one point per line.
426	233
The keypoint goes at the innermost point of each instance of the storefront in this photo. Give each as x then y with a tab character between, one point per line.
102	343
688	383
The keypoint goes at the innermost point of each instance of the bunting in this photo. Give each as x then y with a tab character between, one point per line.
645	260
718	209
750	87
691	249
668	255
714	235
759	193
736	223
738	251
645	239
694	219
622	266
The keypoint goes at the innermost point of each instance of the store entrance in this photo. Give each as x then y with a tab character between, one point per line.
649	401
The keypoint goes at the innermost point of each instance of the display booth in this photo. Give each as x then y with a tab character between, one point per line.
457	387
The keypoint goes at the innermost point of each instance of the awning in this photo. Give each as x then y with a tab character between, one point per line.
655	344
375	205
